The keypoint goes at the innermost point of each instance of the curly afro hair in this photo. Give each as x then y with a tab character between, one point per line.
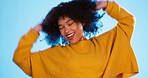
78	10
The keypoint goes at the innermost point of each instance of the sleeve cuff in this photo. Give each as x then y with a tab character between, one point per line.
32	35
108	7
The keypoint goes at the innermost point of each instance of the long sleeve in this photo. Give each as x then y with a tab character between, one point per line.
22	54
126	20
119	56
107	56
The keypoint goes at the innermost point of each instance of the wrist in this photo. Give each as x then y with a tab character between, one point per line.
101	5
105	5
37	28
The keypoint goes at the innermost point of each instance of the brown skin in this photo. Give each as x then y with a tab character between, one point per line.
71	30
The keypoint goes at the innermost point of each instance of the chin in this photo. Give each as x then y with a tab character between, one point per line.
73	42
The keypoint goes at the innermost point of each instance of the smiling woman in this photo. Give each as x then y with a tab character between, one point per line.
71	30
106	56
76	11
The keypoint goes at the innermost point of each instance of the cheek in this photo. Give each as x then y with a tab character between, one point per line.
79	28
62	32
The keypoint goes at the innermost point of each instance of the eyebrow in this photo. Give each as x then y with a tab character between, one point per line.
66	22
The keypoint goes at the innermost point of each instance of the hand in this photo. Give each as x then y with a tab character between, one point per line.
102	4
38	28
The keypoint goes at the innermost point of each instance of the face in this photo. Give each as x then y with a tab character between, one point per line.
71	30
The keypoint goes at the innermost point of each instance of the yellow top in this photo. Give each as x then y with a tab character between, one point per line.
107	56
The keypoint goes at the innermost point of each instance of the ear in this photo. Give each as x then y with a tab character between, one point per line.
83	24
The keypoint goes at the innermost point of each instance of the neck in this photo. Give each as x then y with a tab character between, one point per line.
83	38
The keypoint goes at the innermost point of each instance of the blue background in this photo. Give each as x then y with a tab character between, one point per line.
18	16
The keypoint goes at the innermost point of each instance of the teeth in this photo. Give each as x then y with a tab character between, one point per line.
70	35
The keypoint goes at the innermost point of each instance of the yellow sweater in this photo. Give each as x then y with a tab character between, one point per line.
107	56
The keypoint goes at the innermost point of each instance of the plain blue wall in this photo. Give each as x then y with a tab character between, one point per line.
18	16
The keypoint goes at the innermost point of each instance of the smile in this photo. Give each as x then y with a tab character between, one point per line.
70	35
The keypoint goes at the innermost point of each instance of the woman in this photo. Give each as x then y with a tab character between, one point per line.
106	56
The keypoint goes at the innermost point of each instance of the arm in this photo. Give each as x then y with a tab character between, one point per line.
125	20
22	55
116	43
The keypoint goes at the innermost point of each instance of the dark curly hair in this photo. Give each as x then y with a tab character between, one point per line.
78	10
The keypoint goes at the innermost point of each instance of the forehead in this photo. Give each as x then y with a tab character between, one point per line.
63	19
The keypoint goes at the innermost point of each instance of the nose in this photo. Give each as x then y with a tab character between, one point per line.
67	28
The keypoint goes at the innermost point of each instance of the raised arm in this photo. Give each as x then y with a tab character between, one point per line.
116	42
125	19
22	55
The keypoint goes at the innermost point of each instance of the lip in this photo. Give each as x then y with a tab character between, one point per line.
71	37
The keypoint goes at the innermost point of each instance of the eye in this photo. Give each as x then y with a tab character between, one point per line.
61	27
70	23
